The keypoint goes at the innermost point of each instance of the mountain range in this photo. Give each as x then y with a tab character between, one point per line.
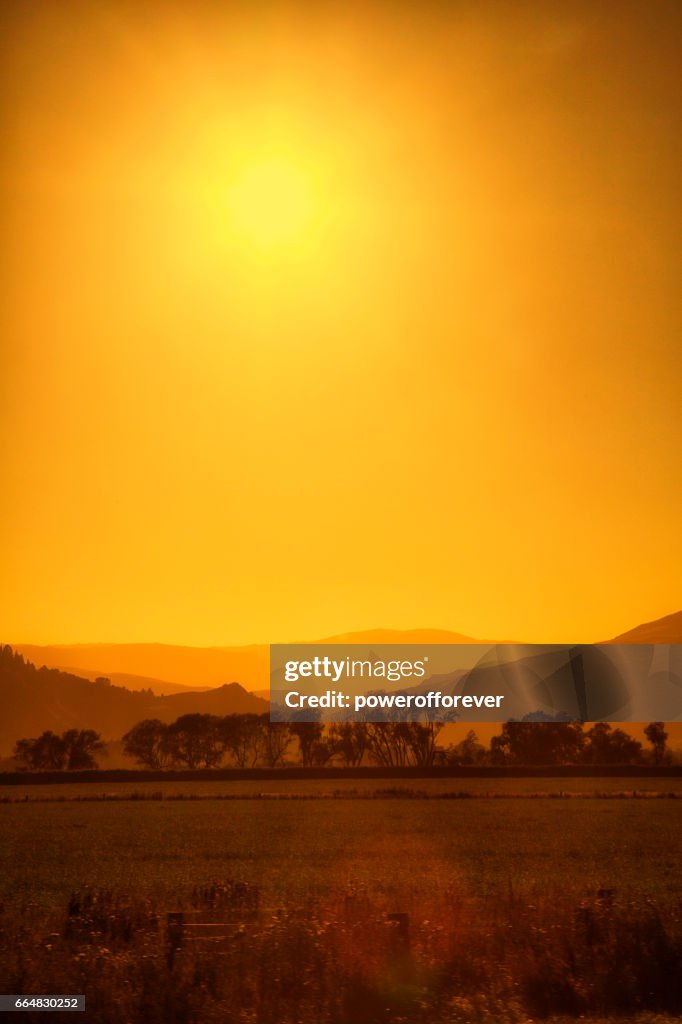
110	687
170	668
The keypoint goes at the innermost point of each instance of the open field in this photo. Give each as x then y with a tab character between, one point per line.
403	850
518	908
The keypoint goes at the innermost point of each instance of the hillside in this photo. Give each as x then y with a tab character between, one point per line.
667	630
164	668
33	700
188	667
167	668
159	687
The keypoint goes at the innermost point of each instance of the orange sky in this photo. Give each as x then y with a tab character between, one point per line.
327	317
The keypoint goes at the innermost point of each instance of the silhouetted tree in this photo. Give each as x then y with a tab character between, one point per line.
80	747
381	743
389	743
308	734
658	738
45	753
605	745
538	743
12	661
73	750
321	752
421	742
196	741
242	737
274	741
147	742
349	742
467	751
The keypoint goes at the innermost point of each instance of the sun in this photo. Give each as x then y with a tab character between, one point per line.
270	204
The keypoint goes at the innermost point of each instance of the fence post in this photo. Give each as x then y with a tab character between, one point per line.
401	923
175	924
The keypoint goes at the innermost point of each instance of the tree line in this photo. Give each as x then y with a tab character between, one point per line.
250	741
74	750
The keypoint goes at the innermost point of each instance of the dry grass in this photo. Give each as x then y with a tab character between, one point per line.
519	909
342	961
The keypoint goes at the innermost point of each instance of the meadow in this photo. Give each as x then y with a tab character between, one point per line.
519	907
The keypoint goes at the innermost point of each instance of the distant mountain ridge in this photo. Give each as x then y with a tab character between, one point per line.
33	700
400	636
667	630
159	687
168	668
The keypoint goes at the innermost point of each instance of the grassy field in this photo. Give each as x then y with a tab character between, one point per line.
401	849
518	908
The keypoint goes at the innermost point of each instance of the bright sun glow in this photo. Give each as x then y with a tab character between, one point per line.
271	204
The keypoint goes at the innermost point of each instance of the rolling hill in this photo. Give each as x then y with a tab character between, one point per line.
169	668
667	630
33	700
182	680
168	665
159	687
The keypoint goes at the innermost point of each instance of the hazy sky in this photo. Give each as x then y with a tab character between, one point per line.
323	317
